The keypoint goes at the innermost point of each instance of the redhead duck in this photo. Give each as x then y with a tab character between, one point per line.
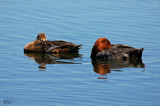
104	49
41	44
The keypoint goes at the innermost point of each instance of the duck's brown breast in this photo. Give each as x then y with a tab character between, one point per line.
30	47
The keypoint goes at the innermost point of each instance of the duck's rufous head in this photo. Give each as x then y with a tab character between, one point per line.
100	45
41	36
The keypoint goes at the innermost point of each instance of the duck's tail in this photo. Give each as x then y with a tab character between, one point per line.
137	53
76	48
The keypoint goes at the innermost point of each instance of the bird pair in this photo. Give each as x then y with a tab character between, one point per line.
102	48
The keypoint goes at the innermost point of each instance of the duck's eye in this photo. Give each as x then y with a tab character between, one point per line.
106	43
38	37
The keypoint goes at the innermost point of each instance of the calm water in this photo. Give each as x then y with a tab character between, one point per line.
46	80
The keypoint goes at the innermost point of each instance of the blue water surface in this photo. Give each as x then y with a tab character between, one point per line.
73	82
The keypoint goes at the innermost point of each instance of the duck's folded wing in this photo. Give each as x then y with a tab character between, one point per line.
53	47
61	46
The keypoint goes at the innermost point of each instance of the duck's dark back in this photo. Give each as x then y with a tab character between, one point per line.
121	51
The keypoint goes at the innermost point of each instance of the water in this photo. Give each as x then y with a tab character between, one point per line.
74	81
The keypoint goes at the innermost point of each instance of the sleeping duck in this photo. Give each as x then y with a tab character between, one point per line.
104	49
41	44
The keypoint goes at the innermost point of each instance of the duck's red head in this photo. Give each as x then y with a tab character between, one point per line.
41	36
100	45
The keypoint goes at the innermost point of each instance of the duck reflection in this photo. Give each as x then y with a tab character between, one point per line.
103	67
52	58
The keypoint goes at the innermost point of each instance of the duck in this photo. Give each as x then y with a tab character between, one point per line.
42	45
104	49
